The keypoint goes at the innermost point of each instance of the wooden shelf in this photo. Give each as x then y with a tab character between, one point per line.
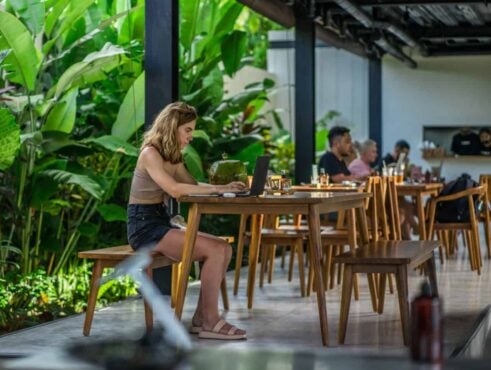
461	157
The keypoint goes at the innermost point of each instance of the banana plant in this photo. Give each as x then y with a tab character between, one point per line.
57	54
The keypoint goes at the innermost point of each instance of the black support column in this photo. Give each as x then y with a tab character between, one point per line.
161	56
375	102
304	96
161	78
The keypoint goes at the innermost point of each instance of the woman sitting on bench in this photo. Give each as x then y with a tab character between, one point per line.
160	173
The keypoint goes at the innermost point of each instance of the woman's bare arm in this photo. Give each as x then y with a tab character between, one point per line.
154	164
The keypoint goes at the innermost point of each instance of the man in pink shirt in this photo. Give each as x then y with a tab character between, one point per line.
367	150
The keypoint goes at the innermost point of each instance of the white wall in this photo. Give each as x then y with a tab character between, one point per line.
341	84
444	91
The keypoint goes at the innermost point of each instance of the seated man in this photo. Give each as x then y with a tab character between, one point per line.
402	146
333	162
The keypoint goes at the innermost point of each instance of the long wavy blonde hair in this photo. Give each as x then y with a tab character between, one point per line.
163	134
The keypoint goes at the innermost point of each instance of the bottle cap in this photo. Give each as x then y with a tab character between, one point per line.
426	289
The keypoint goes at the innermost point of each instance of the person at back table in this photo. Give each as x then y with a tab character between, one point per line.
401	146
333	162
159	174
361	166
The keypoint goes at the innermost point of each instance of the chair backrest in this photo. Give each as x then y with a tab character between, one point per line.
392	206
376	208
485	180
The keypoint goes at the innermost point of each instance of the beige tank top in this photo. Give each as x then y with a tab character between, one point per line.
144	188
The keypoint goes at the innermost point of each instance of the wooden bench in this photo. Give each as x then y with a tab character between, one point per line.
386	257
110	257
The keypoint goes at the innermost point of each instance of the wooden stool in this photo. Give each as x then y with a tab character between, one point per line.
110	257
386	257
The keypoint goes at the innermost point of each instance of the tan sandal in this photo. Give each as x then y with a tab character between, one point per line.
195	329
215	332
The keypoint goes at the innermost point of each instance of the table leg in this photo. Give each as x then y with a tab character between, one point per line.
240	251
352	244
362	221
256	225
345	302
431	271
402	291
421	217
315	264
194	217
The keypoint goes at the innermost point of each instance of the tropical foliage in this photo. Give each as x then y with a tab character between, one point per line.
71	117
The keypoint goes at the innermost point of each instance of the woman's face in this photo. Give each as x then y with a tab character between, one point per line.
185	133
370	155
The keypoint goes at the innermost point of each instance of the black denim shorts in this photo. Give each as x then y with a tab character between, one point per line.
147	224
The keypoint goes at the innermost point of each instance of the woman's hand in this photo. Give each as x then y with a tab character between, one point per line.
232	187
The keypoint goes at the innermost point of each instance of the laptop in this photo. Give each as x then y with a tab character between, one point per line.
258	179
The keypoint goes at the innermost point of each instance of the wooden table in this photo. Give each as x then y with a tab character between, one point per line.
418	192
334	188
385	257
311	204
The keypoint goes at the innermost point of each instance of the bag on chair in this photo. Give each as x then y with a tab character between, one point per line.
455	210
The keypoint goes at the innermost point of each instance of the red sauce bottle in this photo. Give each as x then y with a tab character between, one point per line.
426	327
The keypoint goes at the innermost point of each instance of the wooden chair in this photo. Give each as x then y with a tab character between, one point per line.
469	228
334	240
274	235
386	257
485	181
110	257
381	258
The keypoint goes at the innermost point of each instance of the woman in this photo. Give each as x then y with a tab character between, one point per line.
360	167
160	174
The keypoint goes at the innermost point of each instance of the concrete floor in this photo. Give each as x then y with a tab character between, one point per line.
281	318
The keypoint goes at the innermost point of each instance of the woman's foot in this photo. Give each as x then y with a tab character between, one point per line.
196	325
222	330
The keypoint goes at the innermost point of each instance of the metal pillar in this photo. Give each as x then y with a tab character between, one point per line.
375	102
304	96
161	78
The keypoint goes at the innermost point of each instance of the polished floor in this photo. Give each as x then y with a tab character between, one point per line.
281	318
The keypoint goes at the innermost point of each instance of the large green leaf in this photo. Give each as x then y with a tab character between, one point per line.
131	115
131	27
42	189
84	181
54	141
321	140
189	11
9	139
94	31
93	68
200	134
22	63
227	18
112	212
114	144
31	12
233	48
54	15
233	146
249	154
73	12
62	116
193	163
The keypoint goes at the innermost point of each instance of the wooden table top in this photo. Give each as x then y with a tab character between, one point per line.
330	188
434	186
389	252
404	187
299	197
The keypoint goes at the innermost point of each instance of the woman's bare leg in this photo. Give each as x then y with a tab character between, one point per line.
215	254
197	317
